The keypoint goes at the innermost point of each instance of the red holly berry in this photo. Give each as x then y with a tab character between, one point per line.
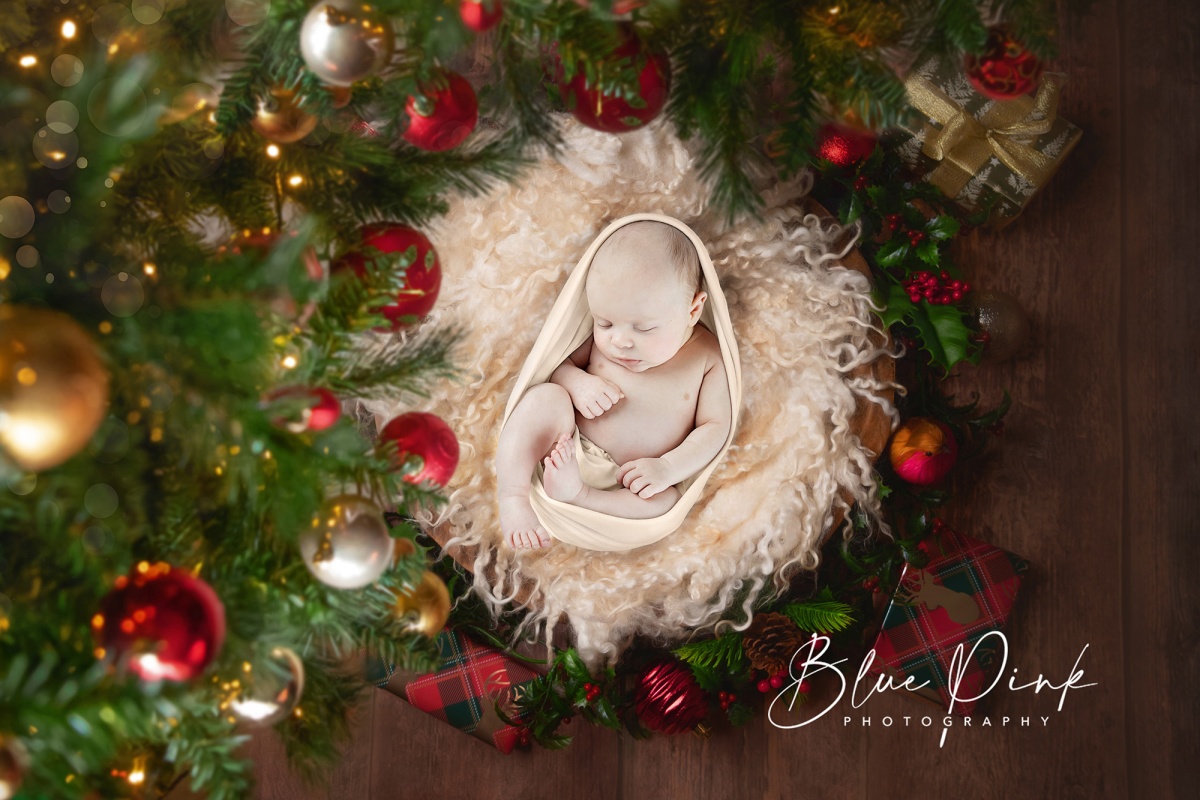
764	685
861	183
776	681
804	687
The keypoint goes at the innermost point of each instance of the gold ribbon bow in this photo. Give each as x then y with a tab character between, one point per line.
964	144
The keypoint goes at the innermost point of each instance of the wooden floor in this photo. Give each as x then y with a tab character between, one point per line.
1095	482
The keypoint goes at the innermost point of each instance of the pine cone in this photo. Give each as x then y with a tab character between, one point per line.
771	641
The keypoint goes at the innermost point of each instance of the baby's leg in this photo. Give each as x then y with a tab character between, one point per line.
544	413
563	483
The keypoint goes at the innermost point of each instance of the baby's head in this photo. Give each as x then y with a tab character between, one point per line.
644	292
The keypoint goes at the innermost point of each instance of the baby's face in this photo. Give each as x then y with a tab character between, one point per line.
642	316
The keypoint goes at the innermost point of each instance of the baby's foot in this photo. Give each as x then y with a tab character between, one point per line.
561	476
519	524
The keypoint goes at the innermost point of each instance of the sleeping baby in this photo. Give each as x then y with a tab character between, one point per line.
640	406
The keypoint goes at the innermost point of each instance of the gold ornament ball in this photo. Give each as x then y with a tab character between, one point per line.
270	694
53	387
348	545
14	763
1004	320
343	41
281	119
431	600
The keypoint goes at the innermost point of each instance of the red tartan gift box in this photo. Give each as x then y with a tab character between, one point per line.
466	689
967	590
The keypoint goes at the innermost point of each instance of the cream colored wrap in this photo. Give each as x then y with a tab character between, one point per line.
567	326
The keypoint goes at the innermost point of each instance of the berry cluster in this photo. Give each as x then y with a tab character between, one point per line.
727	699
593	691
776	681
940	290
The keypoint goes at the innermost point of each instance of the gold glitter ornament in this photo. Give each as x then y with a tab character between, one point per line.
281	119
430	599
348	545
343	41
53	387
268	695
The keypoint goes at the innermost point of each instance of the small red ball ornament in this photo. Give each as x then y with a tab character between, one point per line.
1005	70
428	437
923	451
669	700
611	114
481	15
844	146
315	409
168	624
422	277
444	116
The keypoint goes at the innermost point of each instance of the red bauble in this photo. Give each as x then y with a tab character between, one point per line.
168	624
445	116
923	451
844	146
668	698
611	114
480	15
318	408
422	277
1005	70
424	435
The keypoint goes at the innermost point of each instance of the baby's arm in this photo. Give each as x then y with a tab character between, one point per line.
713	420
590	394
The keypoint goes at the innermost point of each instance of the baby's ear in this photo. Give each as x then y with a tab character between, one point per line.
698	304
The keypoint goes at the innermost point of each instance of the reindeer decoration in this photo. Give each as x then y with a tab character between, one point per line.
960	607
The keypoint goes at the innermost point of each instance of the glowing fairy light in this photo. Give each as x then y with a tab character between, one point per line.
27	61
273	150
295	180
68	30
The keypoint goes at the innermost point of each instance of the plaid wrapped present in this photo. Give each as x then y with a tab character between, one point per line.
465	690
967	589
982	152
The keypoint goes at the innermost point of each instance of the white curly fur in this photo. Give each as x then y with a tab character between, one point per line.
802	323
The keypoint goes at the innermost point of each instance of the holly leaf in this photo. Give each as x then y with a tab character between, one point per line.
941	329
897	305
943	227
856	208
740	714
927	251
892	252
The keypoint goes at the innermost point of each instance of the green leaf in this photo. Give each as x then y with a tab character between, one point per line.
856	208
896	305
927	251
943	227
892	252
819	616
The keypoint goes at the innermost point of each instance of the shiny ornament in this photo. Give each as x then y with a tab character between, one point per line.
166	623
348	545
53	387
430	599
668	699
481	15
309	408
1001	317
14	765
923	451
343	41
444	116
422	277
427	437
1005	70
280	118
269	694
843	145
606	112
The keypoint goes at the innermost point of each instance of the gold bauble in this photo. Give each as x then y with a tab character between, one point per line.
348	545
281	119
431	599
269	694
53	387
14	763
1005	321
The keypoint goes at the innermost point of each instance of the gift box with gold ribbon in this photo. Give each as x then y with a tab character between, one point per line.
981	152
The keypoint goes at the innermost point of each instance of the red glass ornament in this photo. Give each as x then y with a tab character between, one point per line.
844	146
923	451
424	435
668	699
611	114
445	116
480	15
168	624
1005	70
321	408
422	277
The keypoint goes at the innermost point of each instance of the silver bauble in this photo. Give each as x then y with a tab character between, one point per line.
348	545
343	41
270	694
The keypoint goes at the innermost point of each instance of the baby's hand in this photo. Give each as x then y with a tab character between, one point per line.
594	395
645	477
